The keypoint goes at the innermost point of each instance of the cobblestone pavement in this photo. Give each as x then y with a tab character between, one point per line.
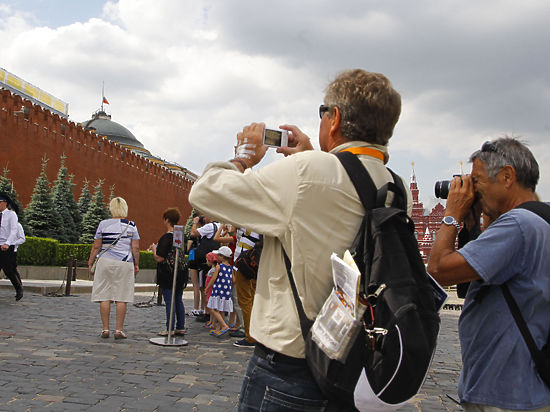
52	358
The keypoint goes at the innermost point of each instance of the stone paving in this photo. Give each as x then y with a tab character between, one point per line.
52	358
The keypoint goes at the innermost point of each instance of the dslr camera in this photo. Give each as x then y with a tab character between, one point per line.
442	188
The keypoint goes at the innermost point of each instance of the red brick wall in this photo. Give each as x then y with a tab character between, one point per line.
147	187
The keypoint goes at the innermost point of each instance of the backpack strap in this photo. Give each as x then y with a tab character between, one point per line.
305	322
542	210
365	187
539	208
360	178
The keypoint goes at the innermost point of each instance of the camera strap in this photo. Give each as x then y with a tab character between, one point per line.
540	357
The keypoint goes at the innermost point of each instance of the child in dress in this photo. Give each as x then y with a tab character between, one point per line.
212	262
221	283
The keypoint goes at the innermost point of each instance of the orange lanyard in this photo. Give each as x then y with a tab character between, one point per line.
366	151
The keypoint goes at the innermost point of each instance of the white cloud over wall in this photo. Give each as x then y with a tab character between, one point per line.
184	77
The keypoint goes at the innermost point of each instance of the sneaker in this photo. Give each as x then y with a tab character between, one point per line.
237	334
195	312
243	343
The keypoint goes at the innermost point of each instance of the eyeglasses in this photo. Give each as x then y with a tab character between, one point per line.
489	146
322	110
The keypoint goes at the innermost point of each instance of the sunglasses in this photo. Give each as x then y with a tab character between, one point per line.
322	110
489	147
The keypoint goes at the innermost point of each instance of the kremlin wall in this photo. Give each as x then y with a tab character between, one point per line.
28	132
37	125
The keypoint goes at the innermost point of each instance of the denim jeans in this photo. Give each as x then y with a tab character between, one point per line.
279	386
179	309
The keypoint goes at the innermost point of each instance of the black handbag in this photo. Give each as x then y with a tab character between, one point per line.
248	261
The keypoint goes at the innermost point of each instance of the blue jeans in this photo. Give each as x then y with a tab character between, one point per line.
179	309
279	386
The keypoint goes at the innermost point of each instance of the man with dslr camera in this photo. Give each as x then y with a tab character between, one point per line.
513	253
306	204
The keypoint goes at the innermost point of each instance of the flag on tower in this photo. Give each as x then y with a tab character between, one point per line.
105	100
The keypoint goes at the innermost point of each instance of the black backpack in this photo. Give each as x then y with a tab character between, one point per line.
206	245
397	340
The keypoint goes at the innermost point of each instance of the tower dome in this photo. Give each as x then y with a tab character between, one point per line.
102	125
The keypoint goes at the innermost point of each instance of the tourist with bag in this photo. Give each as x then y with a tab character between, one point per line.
504	327
204	230
306	205
116	247
165	254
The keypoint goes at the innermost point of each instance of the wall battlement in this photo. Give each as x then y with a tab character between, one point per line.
29	134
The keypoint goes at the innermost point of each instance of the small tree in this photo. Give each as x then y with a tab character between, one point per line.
95	214
43	220
84	199
61	192
7	186
111	193
74	210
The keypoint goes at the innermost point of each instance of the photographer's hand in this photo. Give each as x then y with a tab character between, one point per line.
250	148
461	197
297	141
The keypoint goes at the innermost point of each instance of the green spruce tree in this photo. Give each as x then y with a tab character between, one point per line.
84	199
95	214
61	191
74	210
42	217
7	186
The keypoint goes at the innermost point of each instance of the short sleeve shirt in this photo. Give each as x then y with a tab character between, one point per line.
208	230
165	244
108	231
497	367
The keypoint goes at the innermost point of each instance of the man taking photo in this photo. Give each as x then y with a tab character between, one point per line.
306	204
498	371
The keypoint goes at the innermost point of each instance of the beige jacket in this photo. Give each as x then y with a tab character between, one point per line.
307	203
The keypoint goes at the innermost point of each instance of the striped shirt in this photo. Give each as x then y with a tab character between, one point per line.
109	230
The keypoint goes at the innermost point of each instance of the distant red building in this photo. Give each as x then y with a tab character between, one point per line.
426	224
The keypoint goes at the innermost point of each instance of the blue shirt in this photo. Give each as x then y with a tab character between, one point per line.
498	369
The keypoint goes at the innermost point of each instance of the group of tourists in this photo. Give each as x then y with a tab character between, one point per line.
307	208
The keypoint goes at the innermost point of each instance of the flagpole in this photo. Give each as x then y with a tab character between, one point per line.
102	94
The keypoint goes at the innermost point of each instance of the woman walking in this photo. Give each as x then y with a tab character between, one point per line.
116	245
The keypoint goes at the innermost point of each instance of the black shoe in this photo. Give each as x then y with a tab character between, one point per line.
243	343
237	334
19	294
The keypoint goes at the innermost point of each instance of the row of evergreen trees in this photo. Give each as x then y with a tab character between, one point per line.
53	211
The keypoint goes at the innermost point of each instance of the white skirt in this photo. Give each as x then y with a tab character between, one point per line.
113	280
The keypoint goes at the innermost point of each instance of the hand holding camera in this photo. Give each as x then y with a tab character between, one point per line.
250	147
297	141
461	197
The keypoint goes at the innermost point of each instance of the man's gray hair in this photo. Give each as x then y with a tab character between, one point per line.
509	151
369	105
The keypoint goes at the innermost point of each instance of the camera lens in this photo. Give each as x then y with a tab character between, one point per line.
442	189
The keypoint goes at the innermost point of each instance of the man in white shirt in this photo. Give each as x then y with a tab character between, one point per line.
306	204
205	234
8	239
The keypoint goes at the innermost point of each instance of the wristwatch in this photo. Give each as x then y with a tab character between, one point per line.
449	220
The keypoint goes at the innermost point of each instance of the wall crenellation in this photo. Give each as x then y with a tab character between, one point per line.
28	135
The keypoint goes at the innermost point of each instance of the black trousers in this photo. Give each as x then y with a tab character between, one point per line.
8	264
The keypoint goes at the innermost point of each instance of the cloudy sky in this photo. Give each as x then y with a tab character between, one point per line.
186	76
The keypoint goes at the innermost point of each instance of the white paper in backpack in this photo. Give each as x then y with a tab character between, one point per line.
367	401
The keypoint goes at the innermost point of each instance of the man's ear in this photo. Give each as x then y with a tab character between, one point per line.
335	121
508	175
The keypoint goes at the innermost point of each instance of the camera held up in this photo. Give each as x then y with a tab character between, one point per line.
442	188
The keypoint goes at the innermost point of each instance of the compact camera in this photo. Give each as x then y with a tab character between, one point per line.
275	138
442	188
